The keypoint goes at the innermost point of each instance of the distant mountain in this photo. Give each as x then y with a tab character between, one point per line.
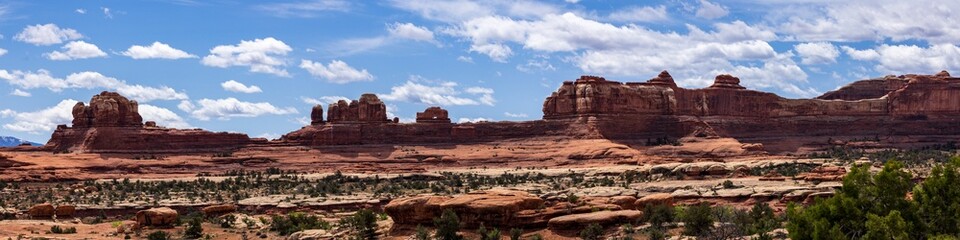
12	141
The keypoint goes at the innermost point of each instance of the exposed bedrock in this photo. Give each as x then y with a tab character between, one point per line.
112	123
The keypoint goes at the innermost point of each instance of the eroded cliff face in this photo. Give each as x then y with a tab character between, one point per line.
112	123
909	106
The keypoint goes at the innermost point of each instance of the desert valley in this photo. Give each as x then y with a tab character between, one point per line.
608	160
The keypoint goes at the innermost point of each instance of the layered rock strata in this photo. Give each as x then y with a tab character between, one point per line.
112	123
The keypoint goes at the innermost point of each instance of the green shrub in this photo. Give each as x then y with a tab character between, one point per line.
422	233
295	222
363	223
58	230
697	220
158	235
194	228
592	232
447	226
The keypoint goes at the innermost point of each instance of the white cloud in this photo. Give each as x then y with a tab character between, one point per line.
640	14
145	94
486	95
710	10
234	86
20	93
515	115
336	71
88	80
47	34
305	9
186	106
473	120
420	90
903	59
81	11
536	65
465	59
106	12
227	108
76	50
875	21
323	100
497	52
5	113
261	55
817	52
162	116
44	120
156	50
412	32
863	55
572	1
3	51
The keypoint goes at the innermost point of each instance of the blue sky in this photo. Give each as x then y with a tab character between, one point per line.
257	68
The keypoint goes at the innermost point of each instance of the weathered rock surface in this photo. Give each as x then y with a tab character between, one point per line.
219	209
654	199
65	211
495	207
157	217
43	210
111	123
316	115
604	218
433	115
368	108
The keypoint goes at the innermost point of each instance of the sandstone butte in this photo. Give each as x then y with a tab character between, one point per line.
898	109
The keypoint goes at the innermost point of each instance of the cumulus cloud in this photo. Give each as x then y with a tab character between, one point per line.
640	14
88	80
711	10
336	71
162	116
412	32
420	90
227	108
3	51
76	50
496	52
323	100
875	21
234	86
260	55
44	120
20	93
305	9
465	59
817	52
902	59
157	50
46	34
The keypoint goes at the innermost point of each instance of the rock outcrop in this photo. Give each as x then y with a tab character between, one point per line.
316	115
369	109
603	218
221	209
43	210
157	217
923	107
491	207
433	115
65	211
112	123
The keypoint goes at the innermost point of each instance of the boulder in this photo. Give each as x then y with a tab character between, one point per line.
654	199
157	217
604	218
433	115
43	210
494	207
312	234
219	209
65	211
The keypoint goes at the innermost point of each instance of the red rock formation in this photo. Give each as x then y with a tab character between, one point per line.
727	81
433	115
111	123
157	217
664	79
493	207
368	109
316	115
44	210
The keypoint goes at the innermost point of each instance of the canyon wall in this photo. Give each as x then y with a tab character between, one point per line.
112	124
